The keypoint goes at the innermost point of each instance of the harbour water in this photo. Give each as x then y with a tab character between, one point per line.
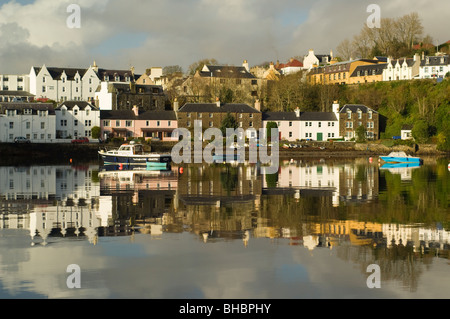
313	230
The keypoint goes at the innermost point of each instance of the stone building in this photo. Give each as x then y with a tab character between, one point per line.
122	96
212	114
351	116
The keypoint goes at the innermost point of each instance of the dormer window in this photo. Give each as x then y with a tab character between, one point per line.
349	114
359	114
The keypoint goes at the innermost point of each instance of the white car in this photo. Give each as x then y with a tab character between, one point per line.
21	139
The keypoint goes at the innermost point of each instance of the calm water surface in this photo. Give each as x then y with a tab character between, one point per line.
224	231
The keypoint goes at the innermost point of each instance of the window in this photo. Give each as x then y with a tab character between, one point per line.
370	115
320	124
87	112
88	123
64	89
211	124
117	123
290	123
359	114
290	134
42	125
42	136
128	123
306	123
169	123
28	125
210	115
188	114
75	123
107	123
349	114
75	112
63	122
200	115
11	125
158	123
188	124
43	89
250	124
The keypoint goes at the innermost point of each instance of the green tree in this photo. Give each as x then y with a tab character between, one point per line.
96	132
269	128
361	134
421	131
228	122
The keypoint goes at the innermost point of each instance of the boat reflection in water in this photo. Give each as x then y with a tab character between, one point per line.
345	206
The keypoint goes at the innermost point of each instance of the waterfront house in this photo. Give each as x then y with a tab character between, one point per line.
76	119
138	123
212	114
35	121
288	124
352	116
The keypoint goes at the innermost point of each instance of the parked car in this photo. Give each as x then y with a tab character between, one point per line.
80	140
21	139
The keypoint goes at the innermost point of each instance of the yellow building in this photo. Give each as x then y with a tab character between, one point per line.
337	72
367	73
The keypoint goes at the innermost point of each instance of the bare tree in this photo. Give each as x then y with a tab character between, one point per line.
345	50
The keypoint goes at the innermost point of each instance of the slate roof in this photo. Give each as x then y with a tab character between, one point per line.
143	115
355	107
280	116
56	73
317	116
81	104
213	108
435	61
16	93
409	61
225	71
26	106
378	68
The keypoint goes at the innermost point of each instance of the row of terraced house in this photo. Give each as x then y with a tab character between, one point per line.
42	123
128	105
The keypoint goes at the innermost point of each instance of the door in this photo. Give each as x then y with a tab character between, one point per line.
320	137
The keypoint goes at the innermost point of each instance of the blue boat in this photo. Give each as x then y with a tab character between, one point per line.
134	154
401	157
399	165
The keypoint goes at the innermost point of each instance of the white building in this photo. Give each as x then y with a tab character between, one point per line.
10	82
314	126
73	84
288	124
76	119
320	126
434	67
402	69
35	121
312	59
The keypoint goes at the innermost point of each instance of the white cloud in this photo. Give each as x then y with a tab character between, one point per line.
182	32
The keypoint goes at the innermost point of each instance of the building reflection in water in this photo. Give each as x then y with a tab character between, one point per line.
311	204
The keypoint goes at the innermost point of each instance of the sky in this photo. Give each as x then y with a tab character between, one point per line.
121	34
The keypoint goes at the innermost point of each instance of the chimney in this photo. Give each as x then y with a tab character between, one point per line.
136	110
423	55
217	102
336	108
245	65
175	105
297	112
258	105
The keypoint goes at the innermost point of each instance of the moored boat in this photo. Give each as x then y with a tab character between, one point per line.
134	154
401	157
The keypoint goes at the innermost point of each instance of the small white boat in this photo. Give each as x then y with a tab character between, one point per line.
134	154
400	157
